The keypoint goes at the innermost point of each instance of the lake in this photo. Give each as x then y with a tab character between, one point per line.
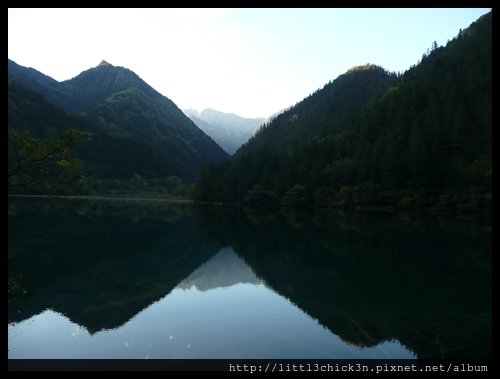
122	279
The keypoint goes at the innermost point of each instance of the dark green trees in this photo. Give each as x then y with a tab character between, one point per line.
42	142
34	161
137	131
422	139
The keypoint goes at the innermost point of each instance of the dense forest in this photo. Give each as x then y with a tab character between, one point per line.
417	140
421	139
136	131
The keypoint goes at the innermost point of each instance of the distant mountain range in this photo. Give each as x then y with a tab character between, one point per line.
229	130
137	131
224	269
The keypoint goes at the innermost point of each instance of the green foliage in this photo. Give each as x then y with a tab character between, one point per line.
417	140
169	187
37	160
259	197
322	197
295	197
136	129
319	113
348	196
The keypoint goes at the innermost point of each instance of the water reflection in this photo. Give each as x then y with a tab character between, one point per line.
224	269
213	313
376	277
118	280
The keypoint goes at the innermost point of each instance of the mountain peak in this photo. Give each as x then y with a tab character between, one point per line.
104	63
365	67
152	139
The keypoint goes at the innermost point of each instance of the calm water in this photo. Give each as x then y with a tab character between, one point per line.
148	280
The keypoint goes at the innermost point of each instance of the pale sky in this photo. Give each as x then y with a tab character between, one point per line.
252	62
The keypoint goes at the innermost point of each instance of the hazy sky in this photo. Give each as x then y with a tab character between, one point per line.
252	62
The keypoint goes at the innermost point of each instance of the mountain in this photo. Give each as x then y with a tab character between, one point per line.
323	110
117	267
30	78
229	130
137	130
224	269
372	277
265	158
419	140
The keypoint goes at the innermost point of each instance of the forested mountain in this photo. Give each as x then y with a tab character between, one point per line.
136	249
34	80
422	139
229	130
137	131
323	110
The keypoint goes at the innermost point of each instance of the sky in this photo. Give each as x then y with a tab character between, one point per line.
251	62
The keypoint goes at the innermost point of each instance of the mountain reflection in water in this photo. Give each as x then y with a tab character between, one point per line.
125	281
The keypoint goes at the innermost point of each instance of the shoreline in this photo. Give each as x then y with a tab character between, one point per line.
84	197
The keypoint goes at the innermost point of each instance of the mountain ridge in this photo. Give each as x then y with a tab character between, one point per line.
419	140
229	130
125	111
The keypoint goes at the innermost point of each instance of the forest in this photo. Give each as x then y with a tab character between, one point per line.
421	139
